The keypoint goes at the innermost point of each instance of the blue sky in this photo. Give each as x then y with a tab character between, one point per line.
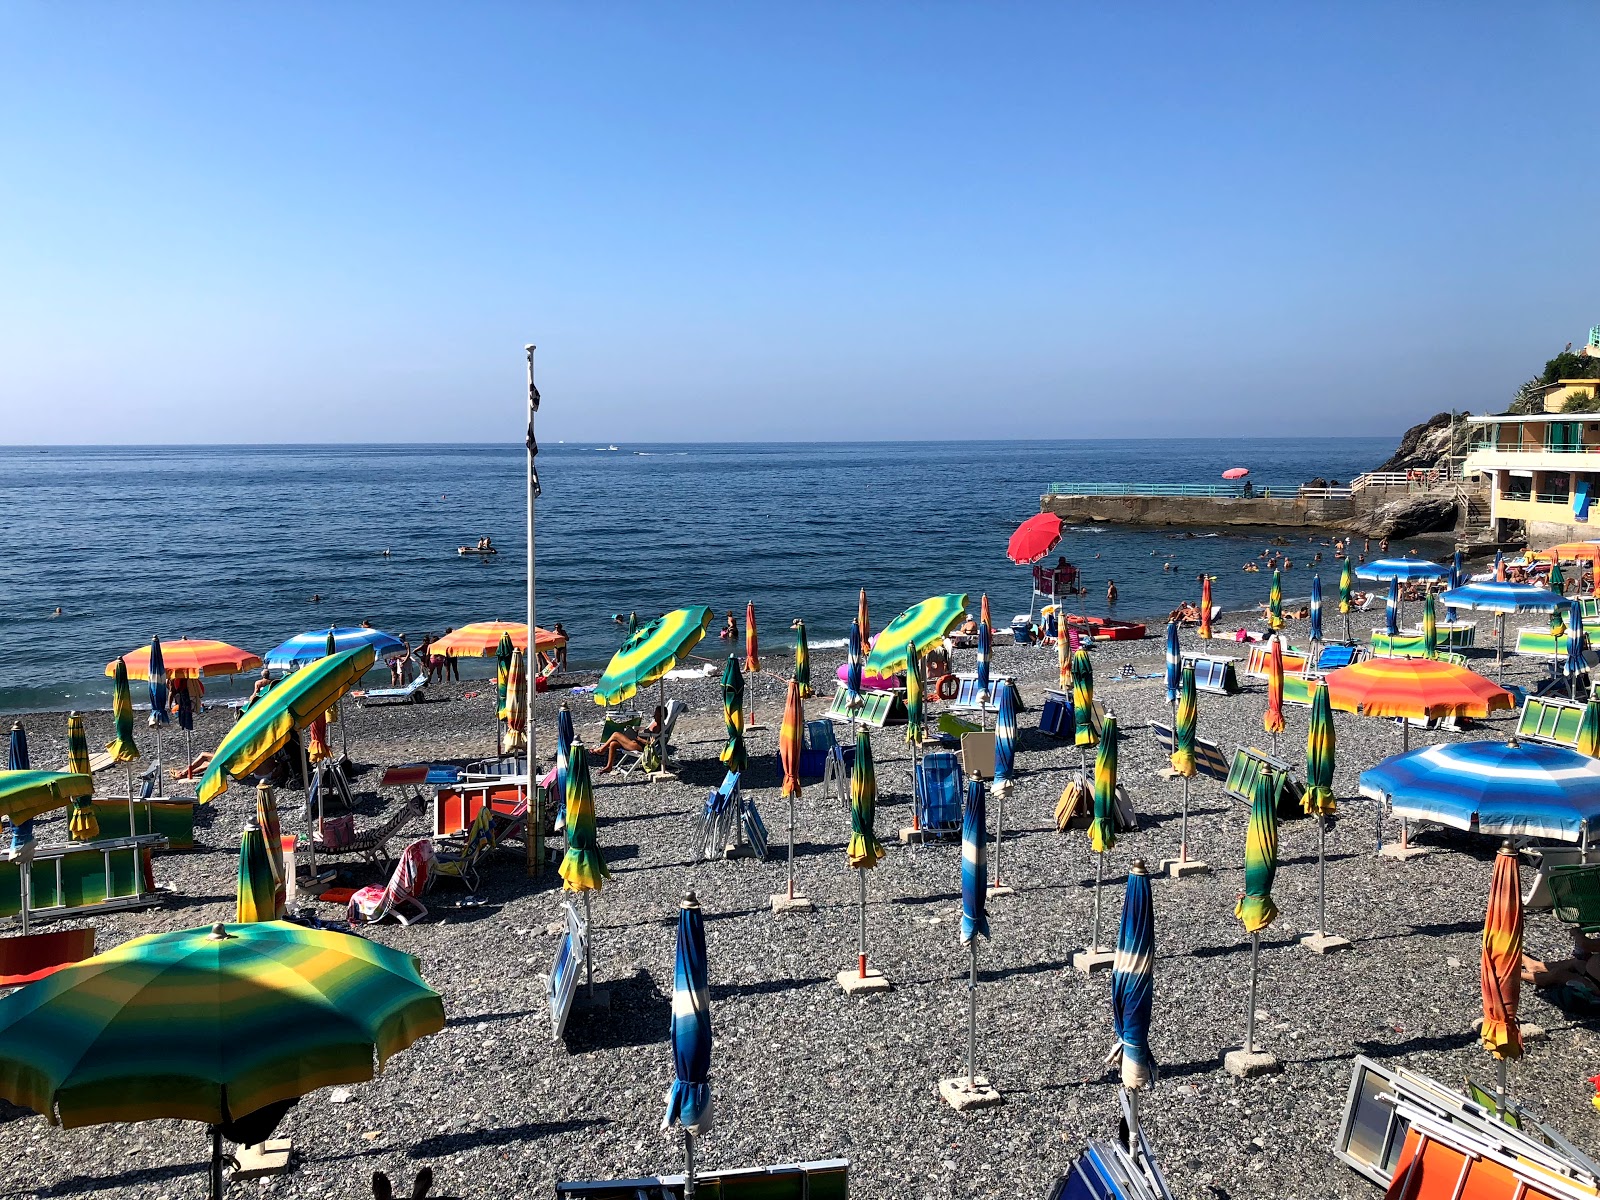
341	222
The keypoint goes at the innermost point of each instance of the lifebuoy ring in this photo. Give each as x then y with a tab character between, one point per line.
946	688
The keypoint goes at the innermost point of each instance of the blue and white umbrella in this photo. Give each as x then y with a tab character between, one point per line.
689	1100
1575	663
1174	662
158	685
1505	789
985	637
1404	569
308	647
1005	737
852	678
17	760
564	739
975	864
185	706
1502	597
1391	609
1316	608
1133	981
1458	576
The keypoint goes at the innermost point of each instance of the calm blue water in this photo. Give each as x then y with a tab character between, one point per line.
230	542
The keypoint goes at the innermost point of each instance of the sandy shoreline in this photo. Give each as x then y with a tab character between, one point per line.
799	1070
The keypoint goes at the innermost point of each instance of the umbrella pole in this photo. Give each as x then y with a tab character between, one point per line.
688	1157
1503	1080
133	830
916	803
305	782
216	1162
999	840
1500	647
972	1016
1250	1017
661	734
1099	872
791	847
1322	876
161	766
25	887
861	961
188	761
588	946
1183	825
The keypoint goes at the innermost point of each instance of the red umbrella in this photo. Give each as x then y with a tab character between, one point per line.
1034	538
1236	472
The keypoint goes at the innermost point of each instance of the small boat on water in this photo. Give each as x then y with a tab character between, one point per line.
483	551
1107	629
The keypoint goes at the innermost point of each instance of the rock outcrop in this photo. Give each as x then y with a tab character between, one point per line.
1407	517
1422	446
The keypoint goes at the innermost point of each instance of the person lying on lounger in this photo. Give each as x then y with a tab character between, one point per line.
628	741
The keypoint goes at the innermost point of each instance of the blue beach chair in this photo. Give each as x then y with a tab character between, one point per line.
939	788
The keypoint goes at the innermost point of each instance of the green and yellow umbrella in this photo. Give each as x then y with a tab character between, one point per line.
650	653
1345	578
863	849
1430	627
914	698
802	658
922	625
516	736
733	752
122	749
209	1025
1275	601
83	827
294	704
1318	798
1183	727
1255	907
1103	826
1589	729
1558	623
583	869
1082	698
502	673
25	795
256	893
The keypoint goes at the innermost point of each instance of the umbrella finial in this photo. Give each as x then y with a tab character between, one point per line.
1138	867
219	933
689	900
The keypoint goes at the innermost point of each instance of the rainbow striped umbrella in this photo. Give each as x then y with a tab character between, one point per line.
122	749
476	639
1413	687
1320	744
1082	698
1133	988
1391	609
1005	739
974	865
1174	661
922	625
1344	588
863	850
914	697
852	679
1275	601
1188	711
1255	907
83	827
1272	718
1589	729
209	1024
502	673
158	686
305	648
861	618
1205	607
272	834
689	1098
650	653
985	644
1316	608
516	704
583	869
1500	968
25	795
1430	627
1103	826
802	657
733	752
752	647
256	895
790	740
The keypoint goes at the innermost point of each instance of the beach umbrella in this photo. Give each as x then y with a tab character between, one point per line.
1275	601
1391	609
974	916
1575	552
256	894
582	869
790	745
1558	581
1185	718
516	704
122	748
1406	570
689	1098
1575	663
1082	699
272	835
188	657
565	736
305	648
1133	981
752	656
159	691
22	840
1205	607
914	698
83	827
1344	597
1272	717
802	658
861	617
1558	625
477	639
852	681
1458	576
923	625
502	673
1500	967
863	850
1418	688
646	657
210	1025
1501	598
1236	472
1589	729
1174	662
1063	652
1430	627
733	752
1499	567
1103	825
985	644
1034	538
1316	608
1255	907
1318	799
1005	762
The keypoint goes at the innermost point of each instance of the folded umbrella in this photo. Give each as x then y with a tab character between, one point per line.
1589	729
122	749
1005	739
516	737
1391	609
564	739
733	751
1275	601
502	674
802	658
1255	907
1500	967
583	869
1558	581
1316	608
1272	718
1063	652
83	827
863	850
256	896
1320	743
1344	588
914	697
752	648
1082	699
689	1098
974	865
1103	827
272	835
1575	661
1183	726
861	618
1458	576
1205	607
1430	627
985	643
1174	662
852	682
158	685
1133	981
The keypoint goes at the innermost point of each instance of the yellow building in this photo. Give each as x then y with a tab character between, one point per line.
1543	471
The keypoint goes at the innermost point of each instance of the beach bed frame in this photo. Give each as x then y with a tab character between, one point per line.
1215	674
1208	759
78	879
1250	764
876	709
1550	720
410	694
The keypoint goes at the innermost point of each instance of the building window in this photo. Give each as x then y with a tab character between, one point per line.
1516	487
1563	437
1553	488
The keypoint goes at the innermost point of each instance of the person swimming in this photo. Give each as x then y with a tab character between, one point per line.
58	612
316	597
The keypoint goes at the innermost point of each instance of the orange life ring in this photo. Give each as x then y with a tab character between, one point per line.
946	688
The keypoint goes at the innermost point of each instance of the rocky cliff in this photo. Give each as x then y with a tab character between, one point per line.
1422	446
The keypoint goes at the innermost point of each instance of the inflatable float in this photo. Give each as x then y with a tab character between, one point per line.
464	551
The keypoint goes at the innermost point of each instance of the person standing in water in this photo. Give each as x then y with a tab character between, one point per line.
1111	591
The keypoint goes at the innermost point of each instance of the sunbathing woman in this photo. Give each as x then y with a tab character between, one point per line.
630	741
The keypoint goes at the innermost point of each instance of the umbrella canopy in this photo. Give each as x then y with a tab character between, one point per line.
1570	552
1344	588
1316	608
502	673
25	795
192	1026
974	865
1082	699
689	1098
1558	581
1133	981
1414	687
1255	907
1272	718
1236	472
752	646
852	681
1589	729
922	625
1174	662
1205	606
189	657
1510	789
1502	597
863	850
985	645
256	895
790	735
122	748
294	704
1320	744
1575	662
914	696
802	658
1034	538
1005	737
1103	826
1391	609
733	752
516	704
1184	724
158	685
481	639
1430	627
650	653
583	869
1402	569
307	647
1275	601
83	826
1500	967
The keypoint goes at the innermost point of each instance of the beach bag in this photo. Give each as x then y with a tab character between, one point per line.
337	833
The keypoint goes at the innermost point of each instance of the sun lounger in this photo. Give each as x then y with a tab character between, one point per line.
1551	720
372	844
458	860
967	694
1215	674
939	790
630	759
875	709
1335	656
1208	758
1249	764
714	823
1575	895
1544	860
1256	664
400	898
817	741
410	694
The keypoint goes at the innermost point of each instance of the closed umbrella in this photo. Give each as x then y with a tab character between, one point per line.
1344	596
1255	907
863	850
565	736
1272	718
915	716
1499	567
1458	576
1205	607
1558	581
1316	609
1589	729
160	694
985	645
733	751
516	705
1558	625
1500	968
1174	662
790	745
802	658
185	713
22	839
1063	651
1133	982
861	617
1318	800
121	747
1430	627
502	674
272	834
689	1098
1391	609
1183	765
1082	699
1575	663
83	827
1103	825
852	679
256	896
752	655
583	869
1005	763
1275	601
974	917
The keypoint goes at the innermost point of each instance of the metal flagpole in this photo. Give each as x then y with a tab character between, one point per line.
533	837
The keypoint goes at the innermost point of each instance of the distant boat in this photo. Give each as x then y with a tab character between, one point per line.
610	447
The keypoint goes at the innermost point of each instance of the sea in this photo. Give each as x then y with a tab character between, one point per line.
238	542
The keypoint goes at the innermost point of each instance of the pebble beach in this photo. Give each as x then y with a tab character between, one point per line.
801	1071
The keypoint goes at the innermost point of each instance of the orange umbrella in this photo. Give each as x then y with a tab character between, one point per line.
790	735
189	657
983	612
1414	687
1571	552
482	638
752	655
861	615
1272	719
1500	971
1205	606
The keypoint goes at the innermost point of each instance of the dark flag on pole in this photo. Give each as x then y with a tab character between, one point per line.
532	445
